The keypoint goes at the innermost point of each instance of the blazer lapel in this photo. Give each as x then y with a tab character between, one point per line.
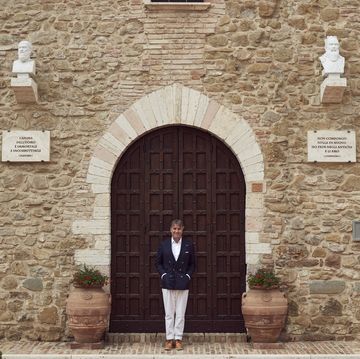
182	249
171	254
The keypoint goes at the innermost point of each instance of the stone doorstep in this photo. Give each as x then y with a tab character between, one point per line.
179	355
88	346
268	345
117	338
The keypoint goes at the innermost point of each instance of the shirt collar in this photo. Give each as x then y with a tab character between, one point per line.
173	241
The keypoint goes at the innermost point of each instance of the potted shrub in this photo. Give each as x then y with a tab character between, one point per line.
264	307
88	308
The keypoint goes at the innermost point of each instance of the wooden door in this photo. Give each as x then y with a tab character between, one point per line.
178	172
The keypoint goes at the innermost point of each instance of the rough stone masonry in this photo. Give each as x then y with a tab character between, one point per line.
259	59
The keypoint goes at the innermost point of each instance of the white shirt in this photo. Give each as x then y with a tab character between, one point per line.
176	247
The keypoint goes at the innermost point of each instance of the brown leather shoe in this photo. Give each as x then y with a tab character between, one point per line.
178	345
168	344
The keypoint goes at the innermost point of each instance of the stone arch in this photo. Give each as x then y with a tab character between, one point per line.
175	104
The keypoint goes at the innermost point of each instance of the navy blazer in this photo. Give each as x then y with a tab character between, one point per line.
175	277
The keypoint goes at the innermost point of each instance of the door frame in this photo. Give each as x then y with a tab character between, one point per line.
174	104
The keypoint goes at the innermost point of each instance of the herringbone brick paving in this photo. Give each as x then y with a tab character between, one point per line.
155	348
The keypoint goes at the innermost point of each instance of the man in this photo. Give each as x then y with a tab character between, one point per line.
175	261
24	65
332	61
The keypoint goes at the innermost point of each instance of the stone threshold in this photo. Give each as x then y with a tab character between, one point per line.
180	356
118	338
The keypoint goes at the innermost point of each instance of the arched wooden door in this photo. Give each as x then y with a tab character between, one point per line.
178	172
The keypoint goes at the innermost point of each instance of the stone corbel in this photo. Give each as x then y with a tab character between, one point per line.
25	89
332	89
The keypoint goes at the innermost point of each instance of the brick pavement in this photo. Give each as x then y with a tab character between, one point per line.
145	349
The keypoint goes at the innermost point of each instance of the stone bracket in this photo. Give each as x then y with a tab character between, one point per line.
332	89
25	89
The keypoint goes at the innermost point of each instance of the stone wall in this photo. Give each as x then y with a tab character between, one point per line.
259	59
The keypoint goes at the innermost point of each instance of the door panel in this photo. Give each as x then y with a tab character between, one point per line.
178	172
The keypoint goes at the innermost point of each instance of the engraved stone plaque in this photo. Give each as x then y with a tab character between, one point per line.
26	146
331	146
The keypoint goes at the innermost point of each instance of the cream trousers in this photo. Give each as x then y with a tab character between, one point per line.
175	302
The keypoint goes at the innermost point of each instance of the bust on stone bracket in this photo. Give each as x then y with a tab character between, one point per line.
333	87
24	85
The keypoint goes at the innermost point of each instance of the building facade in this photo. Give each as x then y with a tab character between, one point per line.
191	110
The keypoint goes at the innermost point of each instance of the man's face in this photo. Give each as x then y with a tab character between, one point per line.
332	46
176	232
24	51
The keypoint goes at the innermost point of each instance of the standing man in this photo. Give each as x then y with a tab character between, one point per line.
175	261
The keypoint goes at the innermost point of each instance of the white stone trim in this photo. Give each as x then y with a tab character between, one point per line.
173	104
176	6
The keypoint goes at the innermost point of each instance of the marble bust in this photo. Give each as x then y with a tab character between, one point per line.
333	86
331	60
24	66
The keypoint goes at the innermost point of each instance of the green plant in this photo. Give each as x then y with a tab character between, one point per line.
263	279
89	277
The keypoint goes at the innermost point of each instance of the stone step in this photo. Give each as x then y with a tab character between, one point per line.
117	338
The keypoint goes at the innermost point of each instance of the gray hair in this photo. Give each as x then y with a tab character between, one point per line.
177	222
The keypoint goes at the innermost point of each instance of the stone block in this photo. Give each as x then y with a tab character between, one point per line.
240	132
159	110
93	257
357	287
134	121
34	284
252	258
91	227
255	176
118	133
101	213
48	316
327	286
201	110
98	171
97	179
96	162
104	155
332	90
254	200
253	224
112	144
172	103
102	200
144	111
258	248
253	237
124	124
189	104
220	127
25	89
212	109
99	188
256	187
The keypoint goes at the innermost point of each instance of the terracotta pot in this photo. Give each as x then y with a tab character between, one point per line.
88	312
264	312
